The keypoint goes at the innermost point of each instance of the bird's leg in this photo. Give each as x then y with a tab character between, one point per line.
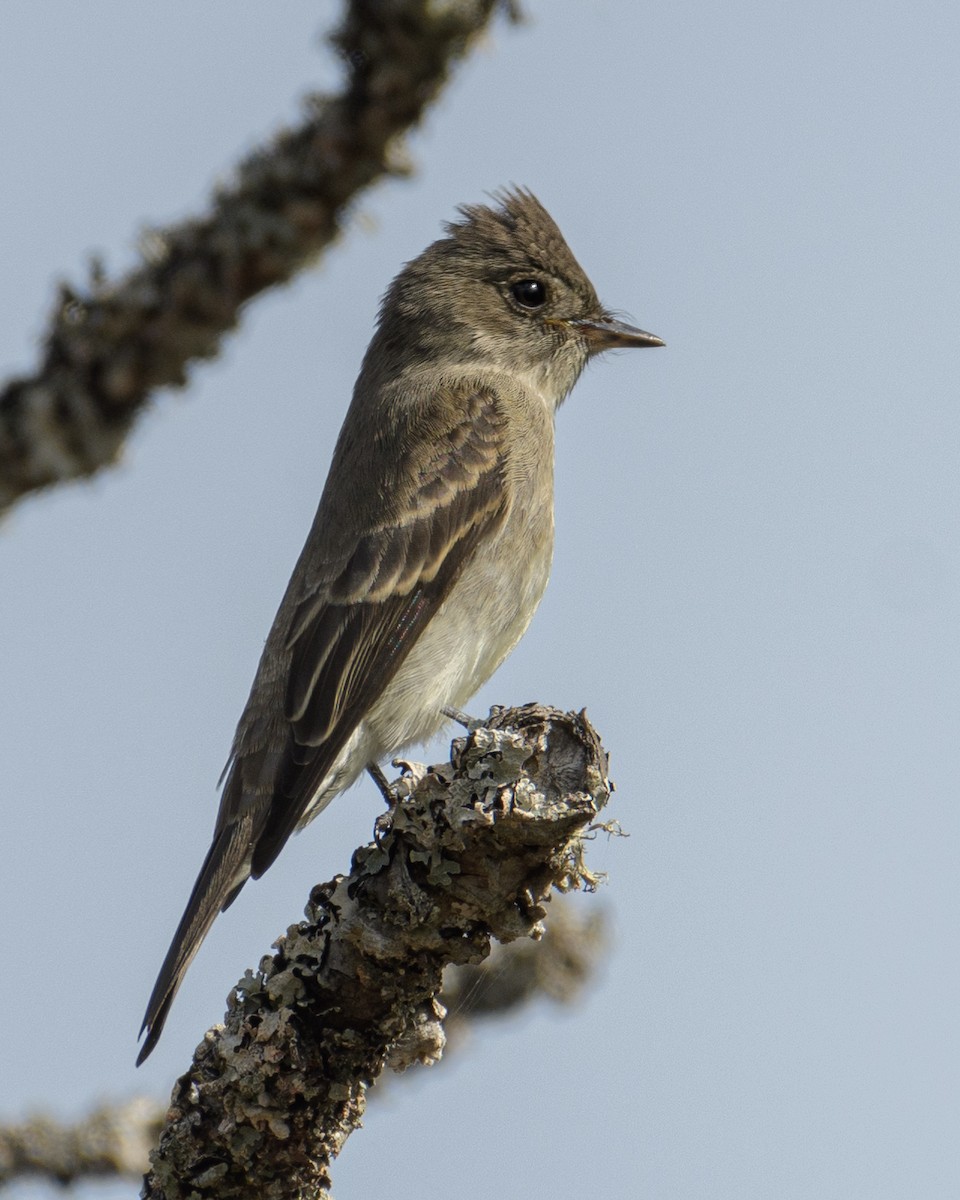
457	714
382	782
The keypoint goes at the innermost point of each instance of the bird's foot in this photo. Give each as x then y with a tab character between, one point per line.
394	792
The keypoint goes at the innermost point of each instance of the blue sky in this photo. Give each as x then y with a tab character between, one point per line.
754	590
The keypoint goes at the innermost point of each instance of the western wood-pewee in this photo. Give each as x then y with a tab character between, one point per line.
431	546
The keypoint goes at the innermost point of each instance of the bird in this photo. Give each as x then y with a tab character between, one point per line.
432	542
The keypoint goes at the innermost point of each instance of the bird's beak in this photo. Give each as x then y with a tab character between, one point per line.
606	333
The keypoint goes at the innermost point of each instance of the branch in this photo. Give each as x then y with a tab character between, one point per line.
556	966
471	851
112	344
115	1140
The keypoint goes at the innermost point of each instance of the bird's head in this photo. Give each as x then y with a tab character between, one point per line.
502	289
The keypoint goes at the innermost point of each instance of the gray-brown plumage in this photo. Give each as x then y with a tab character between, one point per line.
431	545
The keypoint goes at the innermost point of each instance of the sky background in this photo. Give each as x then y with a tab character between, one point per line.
755	588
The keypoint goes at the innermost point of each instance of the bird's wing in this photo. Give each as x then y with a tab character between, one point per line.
354	626
352	613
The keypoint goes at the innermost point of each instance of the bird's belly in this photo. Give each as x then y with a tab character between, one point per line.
480	622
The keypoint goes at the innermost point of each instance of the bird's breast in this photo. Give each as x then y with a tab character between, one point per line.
484	616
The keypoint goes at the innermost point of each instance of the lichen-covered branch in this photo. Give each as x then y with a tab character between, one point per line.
471	851
111	344
115	1139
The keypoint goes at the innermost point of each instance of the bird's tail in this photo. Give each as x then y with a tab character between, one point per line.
224	872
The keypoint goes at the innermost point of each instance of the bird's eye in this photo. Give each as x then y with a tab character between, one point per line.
529	293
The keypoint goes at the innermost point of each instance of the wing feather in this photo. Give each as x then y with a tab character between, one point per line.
352	630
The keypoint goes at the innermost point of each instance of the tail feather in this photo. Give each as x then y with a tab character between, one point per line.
224	872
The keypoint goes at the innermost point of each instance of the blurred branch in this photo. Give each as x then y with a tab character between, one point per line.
113	343
471	851
557	966
114	1140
